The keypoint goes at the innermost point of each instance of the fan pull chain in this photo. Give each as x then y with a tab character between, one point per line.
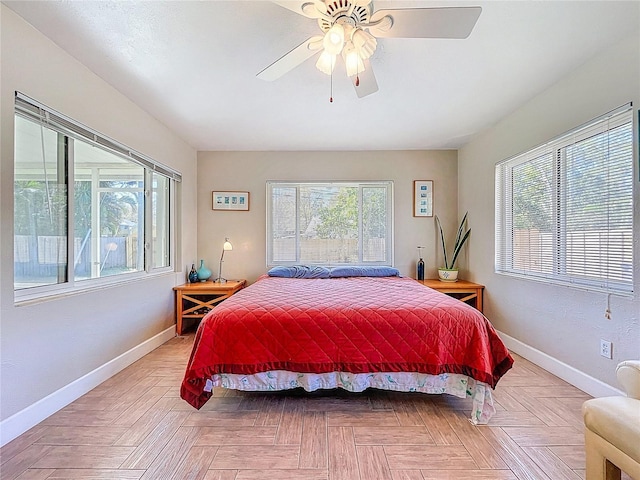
331	95
357	76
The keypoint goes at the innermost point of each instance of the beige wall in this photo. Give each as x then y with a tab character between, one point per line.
250	171
49	345
564	323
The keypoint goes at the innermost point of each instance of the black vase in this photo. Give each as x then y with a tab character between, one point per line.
420	269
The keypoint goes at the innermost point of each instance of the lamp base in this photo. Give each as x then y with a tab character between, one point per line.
220	280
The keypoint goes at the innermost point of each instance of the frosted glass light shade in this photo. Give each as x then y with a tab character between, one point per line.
352	60
334	40
326	62
364	43
227	245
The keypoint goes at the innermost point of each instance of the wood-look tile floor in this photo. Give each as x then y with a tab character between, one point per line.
135	426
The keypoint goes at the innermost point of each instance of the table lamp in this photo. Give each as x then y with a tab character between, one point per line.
227	246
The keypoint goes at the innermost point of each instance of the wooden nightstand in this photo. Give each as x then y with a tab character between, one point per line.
195	300
464	291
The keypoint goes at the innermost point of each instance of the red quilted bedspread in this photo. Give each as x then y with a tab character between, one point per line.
355	324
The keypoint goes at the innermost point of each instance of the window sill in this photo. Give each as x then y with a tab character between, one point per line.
23	298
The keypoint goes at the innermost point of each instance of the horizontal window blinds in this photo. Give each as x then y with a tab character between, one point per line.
34	110
564	210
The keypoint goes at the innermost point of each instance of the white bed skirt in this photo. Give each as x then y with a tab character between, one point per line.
451	383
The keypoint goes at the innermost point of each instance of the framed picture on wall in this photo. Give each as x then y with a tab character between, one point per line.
423	198
230	200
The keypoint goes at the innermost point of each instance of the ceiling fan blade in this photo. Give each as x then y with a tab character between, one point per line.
447	22
292	59
307	8
368	83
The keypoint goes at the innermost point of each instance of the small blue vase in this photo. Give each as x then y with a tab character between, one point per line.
193	274
203	272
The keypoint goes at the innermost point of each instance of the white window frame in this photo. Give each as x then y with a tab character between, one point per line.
387	184
37	112
504	225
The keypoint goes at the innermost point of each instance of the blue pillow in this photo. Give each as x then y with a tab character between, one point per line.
364	271
299	271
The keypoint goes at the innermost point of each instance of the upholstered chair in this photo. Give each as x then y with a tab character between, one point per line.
612	429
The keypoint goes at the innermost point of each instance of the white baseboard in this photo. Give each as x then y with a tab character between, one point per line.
586	383
20	422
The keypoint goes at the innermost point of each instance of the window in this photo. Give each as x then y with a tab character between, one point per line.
108	204
160	220
85	207
330	223
564	210
41	202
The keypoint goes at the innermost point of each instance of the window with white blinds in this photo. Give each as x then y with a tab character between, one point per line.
88	211
564	210
335	223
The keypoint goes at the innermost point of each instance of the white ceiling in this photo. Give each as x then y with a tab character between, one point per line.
192	65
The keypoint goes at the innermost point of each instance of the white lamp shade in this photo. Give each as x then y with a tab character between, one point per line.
326	62
227	245
334	40
365	43
352	60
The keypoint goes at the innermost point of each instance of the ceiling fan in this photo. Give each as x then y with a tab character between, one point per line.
350	29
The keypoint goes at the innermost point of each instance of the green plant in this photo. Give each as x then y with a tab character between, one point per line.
461	238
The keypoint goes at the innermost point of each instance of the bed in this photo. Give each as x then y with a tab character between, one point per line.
350	332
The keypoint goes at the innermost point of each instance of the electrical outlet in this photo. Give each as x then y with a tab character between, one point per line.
605	349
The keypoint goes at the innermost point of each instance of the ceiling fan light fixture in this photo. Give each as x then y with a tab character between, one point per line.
352	60
364	43
326	62
334	39
351	28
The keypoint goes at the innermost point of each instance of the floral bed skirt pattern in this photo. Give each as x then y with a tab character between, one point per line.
455	384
